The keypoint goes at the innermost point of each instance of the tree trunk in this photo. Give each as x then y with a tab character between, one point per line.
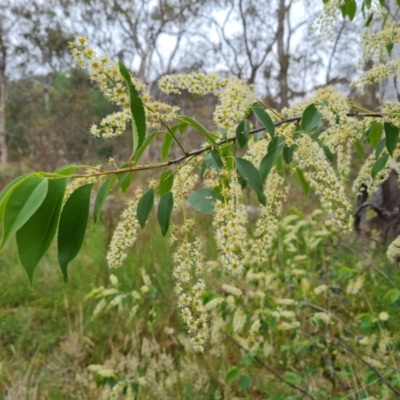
3	144
282	56
389	89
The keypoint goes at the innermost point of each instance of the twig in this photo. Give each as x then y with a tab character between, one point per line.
204	149
268	368
350	350
374	267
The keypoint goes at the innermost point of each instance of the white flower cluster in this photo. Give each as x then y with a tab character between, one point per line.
73	184
229	222
322	178
235	96
393	251
391	111
355	285
106	74
184	181
325	22
374	41
188	266
267	223
125	233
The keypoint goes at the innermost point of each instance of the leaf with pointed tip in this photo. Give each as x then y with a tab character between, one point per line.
304	182
325	148
242	133
379	165
72	226
203	200
168	139
358	146
144	146
206	133
380	147
67	169
101	197
144	207
36	235
164	211
288	153
264	119
275	147
310	119
250	174
213	160
374	134
166	182
24	200
138	114
392	137
7	190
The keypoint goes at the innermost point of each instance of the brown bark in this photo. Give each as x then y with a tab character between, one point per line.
3	144
283	57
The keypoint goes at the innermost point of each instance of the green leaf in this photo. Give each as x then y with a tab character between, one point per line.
392	137
275	147
166	182
359	148
144	146
250	174
310	119
36	235
168	139
195	124
203	200
137	110
293	378
325	148
379	165
374	134
244	383
288	153
213	160
102	196
164	211
144	207
265	120
232	374
380	147
72	226
24	200
242	133
393	295
8	189
304	182
124	181
389	48
67	169
351	8
369	19
166	147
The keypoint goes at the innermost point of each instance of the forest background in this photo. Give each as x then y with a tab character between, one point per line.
56	341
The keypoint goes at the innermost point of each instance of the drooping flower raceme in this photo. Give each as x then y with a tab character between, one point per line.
230	218
125	233
393	251
322	178
188	268
234	95
106	74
